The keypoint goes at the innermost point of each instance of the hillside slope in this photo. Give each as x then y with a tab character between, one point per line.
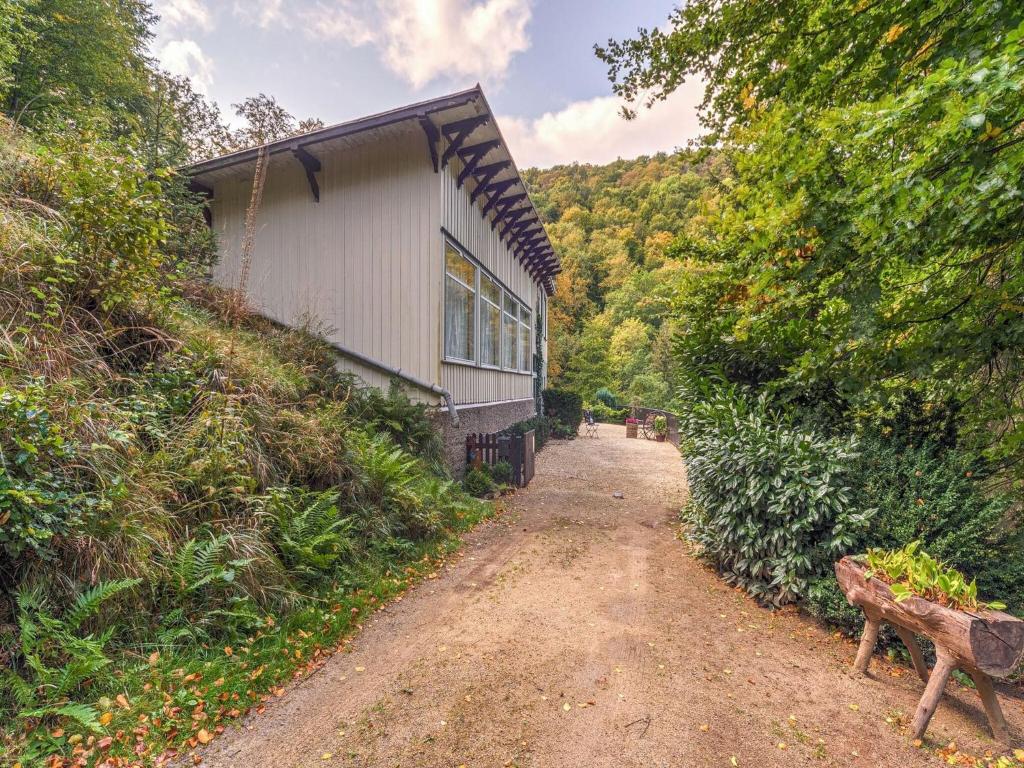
620	229
194	504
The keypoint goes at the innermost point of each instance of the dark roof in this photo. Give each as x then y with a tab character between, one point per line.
458	127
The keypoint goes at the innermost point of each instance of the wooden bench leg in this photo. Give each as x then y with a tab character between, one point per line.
932	693
995	714
915	651
867	644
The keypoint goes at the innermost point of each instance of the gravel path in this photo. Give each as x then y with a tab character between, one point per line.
575	630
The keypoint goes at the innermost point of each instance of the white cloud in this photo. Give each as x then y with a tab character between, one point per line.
420	40
186	59
265	12
176	14
593	131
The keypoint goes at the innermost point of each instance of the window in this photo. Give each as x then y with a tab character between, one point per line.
484	324
525	350
490	322
459	305
510	334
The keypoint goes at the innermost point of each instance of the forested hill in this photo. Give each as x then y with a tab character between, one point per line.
619	230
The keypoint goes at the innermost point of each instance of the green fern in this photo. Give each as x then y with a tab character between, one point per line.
310	531
57	659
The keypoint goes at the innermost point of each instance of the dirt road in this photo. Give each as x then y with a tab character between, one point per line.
576	631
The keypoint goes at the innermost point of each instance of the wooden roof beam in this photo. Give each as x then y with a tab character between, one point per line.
513	220
511	217
506	206
496	190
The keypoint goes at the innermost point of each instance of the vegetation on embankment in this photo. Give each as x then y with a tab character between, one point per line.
194	504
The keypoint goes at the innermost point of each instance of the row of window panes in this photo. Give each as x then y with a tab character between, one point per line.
504	337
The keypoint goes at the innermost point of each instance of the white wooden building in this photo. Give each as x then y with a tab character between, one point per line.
411	238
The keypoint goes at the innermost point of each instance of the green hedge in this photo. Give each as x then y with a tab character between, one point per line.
936	495
565	409
541	426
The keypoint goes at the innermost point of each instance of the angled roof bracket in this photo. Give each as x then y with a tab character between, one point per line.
433	136
496	190
483	174
457	132
311	166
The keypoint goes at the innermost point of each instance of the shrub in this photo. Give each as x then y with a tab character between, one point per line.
501	473
565	408
478	482
929	493
606	398
660	425
541	426
771	506
607	415
36	498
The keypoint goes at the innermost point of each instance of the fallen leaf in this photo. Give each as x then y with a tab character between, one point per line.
106	717
705	727
204	736
855	707
567	706
228	650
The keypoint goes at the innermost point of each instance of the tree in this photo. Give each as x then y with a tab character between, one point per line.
869	241
267	121
75	56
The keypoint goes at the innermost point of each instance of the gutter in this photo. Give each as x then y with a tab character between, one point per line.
370	362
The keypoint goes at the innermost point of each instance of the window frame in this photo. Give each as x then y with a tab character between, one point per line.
475	289
478	308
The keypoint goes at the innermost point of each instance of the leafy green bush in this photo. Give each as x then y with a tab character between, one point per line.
565	408
771	506
607	415
541	426
37	499
501	472
478	482
606	398
116	218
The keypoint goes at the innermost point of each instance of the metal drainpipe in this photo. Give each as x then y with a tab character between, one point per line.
372	363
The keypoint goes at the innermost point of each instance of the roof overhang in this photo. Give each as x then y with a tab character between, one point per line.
458	130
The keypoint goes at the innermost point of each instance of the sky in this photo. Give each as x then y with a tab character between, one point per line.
342	59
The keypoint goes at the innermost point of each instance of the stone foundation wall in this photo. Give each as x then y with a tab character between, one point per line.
477	418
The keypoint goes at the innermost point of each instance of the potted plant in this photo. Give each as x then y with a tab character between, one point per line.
631	426
660	428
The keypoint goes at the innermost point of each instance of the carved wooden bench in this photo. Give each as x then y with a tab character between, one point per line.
985	644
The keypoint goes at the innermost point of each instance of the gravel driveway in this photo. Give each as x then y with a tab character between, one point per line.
575	630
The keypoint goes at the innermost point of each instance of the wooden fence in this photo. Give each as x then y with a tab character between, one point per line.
517	450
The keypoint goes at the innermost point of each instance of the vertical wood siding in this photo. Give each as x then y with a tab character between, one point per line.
462	220
365	266
362	266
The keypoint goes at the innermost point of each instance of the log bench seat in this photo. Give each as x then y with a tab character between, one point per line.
985	643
